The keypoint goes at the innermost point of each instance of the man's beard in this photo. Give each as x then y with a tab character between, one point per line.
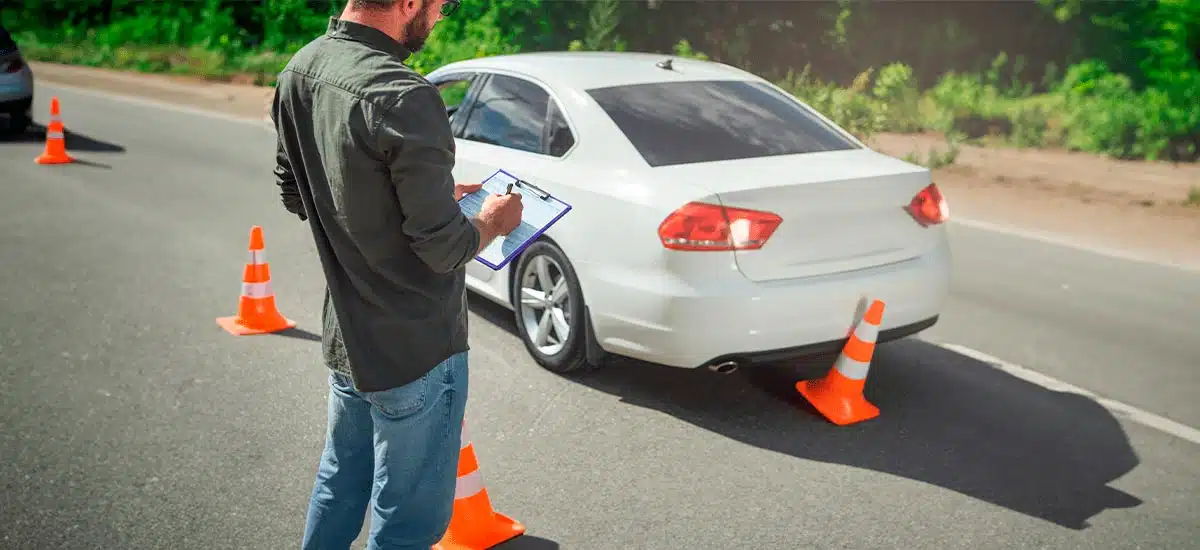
417	31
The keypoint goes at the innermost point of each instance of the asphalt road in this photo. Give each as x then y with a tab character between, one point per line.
131	421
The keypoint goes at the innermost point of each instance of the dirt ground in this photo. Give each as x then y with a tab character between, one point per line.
1133	208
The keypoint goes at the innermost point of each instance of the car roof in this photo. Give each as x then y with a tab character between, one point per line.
586	70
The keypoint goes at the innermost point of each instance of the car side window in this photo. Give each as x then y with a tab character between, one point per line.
509	112
559	138
453	92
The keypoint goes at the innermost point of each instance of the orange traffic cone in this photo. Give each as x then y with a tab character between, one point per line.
256	308
56	142
475	525
839	395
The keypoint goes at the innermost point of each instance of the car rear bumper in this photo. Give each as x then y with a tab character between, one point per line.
826	348
748	322
16	91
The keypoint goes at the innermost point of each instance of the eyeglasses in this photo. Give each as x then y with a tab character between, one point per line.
449	6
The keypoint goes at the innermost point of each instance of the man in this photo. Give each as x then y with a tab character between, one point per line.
365	156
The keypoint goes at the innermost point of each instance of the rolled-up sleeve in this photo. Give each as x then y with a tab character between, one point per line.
416	140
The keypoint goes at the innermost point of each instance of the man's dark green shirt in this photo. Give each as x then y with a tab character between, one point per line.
365	154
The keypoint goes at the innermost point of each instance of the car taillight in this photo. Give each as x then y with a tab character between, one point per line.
13	66
929	207
707	227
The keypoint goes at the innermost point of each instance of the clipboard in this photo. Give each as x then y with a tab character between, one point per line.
541	211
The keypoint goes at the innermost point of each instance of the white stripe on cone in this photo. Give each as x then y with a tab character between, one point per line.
468	485
257	290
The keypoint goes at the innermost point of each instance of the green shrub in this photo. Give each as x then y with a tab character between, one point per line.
853	108
1103	113
900	100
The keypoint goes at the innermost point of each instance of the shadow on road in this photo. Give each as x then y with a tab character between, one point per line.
527	542
299	334
947	420
36	133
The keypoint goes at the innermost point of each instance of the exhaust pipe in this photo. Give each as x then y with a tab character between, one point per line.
728	367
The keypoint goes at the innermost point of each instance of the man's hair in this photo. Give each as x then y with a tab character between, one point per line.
373	4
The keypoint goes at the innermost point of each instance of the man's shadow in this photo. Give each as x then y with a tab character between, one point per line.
947	420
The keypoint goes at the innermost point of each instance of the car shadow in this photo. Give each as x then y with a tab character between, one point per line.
76	142
947	420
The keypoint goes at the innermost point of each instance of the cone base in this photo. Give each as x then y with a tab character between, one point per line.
841	410
502	529
236	326
49	159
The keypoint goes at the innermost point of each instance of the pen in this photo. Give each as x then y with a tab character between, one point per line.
509	190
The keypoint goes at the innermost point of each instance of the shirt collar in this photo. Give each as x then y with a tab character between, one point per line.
375	38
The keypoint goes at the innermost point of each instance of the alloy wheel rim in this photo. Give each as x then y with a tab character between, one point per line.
545	304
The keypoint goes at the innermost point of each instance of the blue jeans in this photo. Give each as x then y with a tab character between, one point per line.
396	450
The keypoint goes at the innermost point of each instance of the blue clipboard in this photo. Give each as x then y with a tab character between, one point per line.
541	210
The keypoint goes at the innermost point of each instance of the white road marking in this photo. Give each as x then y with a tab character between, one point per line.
1060	240
265	123
1123	410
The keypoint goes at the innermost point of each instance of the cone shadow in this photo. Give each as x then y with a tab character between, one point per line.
947	420
299	334
76	142
527	542
91	164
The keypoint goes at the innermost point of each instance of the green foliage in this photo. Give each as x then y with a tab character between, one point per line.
1128	90
683	48
1136	95
601	32
899	99
852	108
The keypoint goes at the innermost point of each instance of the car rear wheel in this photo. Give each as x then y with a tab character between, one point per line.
19	122
22	122
549	309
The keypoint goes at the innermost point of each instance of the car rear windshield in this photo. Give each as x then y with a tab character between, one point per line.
704	121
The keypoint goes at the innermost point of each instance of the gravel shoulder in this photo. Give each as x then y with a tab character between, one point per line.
1133	208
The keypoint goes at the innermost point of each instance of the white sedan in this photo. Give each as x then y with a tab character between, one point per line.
717	221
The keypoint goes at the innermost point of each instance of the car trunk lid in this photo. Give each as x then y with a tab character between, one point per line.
842	211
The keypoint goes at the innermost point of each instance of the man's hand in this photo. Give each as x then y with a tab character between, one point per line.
499	216
502	213
463	189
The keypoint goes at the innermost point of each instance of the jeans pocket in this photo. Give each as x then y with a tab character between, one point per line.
404	401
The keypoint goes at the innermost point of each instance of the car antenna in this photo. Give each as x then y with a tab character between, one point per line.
665	65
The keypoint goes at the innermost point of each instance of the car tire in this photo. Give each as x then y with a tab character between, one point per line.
19	123
549	349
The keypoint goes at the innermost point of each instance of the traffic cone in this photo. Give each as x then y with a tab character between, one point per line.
475	525
256	308
56	142
839	395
